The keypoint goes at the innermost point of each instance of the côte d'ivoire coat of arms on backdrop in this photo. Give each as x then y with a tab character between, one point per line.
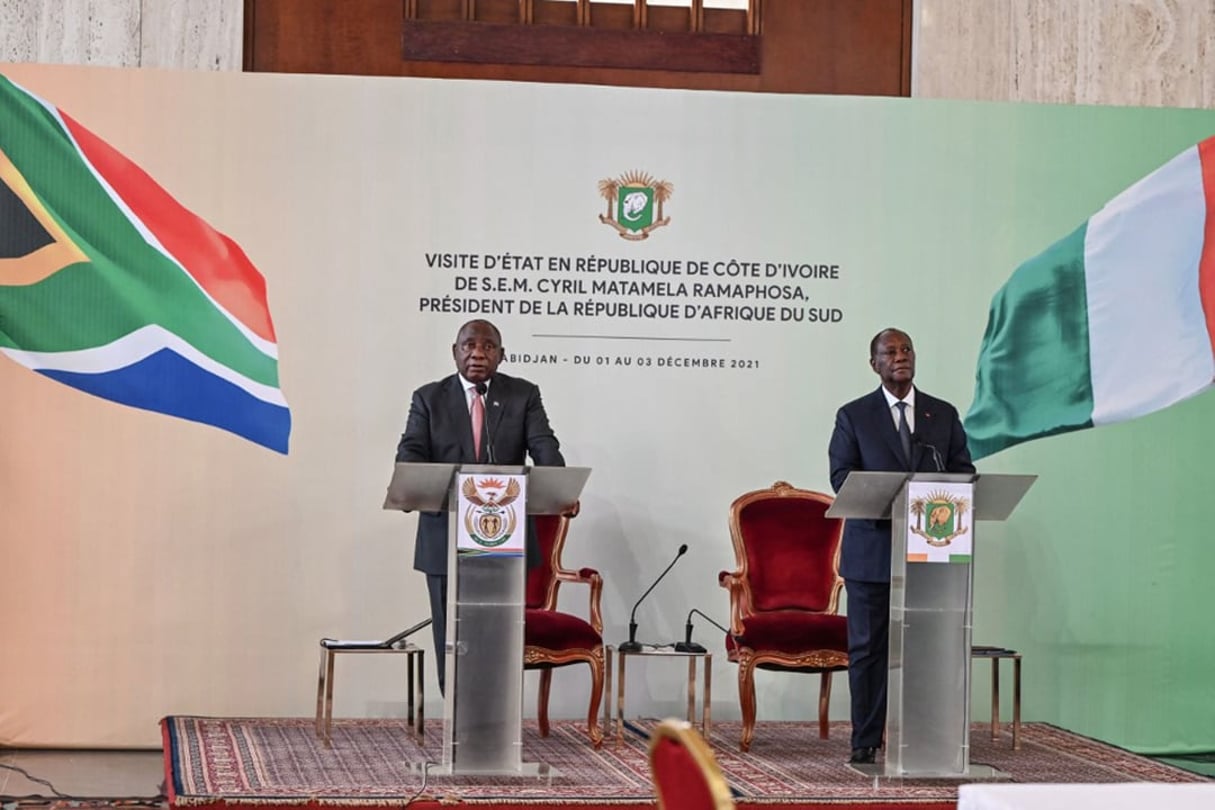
635	203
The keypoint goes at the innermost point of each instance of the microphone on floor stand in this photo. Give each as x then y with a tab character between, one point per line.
632	645
689	646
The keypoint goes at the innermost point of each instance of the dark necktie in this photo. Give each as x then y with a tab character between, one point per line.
904	430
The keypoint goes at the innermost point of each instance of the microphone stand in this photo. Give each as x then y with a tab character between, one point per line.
632	645
689	646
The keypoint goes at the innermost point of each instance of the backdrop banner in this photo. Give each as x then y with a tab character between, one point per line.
692	278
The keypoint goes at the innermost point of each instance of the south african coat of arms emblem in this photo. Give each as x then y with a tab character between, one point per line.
490	518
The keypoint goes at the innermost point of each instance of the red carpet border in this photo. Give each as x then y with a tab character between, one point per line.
250	762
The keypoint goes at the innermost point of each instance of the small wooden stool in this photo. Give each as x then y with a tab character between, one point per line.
324	687
997	654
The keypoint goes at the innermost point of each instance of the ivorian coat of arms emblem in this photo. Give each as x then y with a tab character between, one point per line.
939	518
490	519
634	204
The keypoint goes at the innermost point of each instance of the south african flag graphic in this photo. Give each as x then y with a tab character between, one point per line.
109	285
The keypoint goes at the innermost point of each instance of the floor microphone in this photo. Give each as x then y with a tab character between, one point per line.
689	646
481	388
632	645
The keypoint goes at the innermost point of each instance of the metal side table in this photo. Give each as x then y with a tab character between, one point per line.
324	687
665	652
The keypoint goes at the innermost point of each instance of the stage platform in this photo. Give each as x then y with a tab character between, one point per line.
260	762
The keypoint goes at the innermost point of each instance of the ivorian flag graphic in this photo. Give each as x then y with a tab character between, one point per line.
1112	322
109	285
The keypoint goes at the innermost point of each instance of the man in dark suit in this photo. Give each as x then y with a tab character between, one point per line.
896	428
474	416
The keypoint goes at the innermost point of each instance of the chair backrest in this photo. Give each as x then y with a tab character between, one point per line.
787	549
549	536
683	770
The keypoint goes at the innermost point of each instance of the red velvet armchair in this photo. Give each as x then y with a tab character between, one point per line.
555	639
784	595
684	772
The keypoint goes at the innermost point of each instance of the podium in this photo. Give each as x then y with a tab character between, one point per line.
486	593
931	590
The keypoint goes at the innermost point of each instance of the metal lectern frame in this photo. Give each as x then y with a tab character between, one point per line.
486	594
928	687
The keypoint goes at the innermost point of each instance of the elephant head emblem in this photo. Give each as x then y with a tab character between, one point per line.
939	516
633	204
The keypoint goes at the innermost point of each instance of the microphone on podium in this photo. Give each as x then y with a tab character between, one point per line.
936	454
632	645
689	646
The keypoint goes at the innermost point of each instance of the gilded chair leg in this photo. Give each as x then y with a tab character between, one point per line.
546	683
592	716
746	699
824	706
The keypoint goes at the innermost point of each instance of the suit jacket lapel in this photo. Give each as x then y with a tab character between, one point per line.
495	405
457	406
925	427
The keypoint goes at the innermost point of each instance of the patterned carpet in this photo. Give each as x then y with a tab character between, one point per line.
253	761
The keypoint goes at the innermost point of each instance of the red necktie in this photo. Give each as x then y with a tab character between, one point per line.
477	413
